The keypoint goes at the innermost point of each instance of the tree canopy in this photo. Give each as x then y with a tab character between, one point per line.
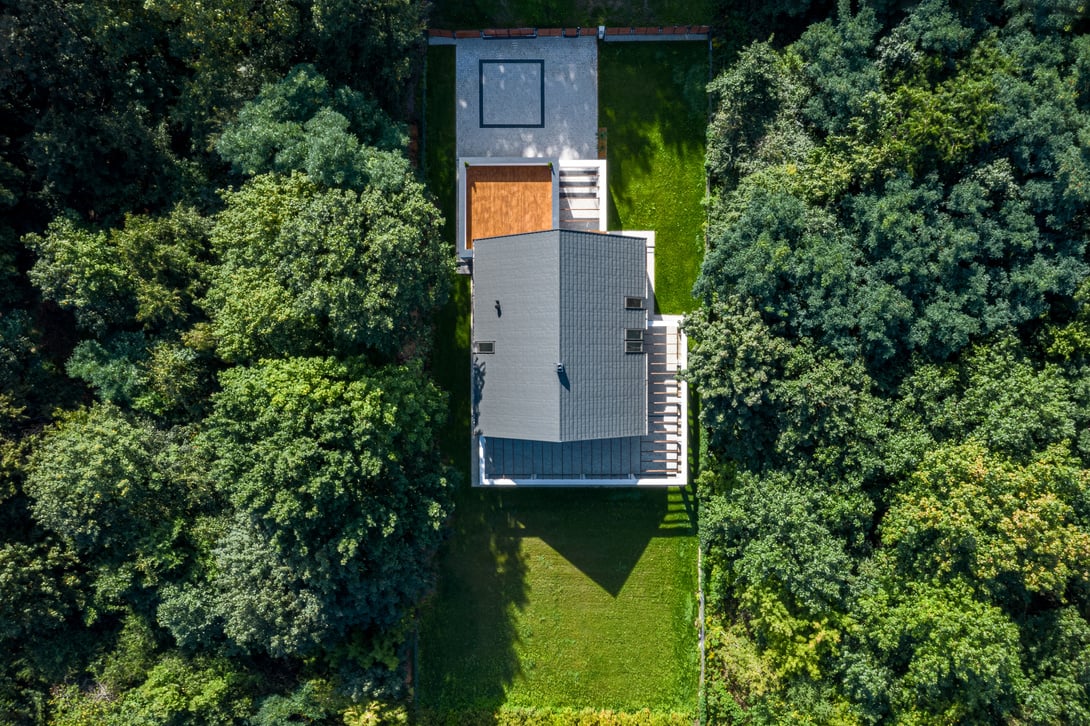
337	501
890	358
219	481
306	270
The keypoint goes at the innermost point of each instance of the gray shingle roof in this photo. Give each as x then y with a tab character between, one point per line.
561	299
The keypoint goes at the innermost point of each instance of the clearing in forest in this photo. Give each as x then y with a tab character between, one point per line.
556	599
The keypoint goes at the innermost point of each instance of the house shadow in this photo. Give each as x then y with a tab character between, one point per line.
469	636
602	532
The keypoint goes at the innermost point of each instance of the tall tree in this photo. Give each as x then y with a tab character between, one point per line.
339	501
892	355
337	137
307	271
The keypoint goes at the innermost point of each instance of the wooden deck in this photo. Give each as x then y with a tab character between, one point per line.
508	200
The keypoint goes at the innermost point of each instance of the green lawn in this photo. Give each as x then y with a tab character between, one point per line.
652	103
554	599
564	599
454	14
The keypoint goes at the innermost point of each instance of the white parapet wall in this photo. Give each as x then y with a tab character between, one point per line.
463	164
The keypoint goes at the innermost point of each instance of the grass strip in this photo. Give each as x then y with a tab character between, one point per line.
556	601
474	14
652	103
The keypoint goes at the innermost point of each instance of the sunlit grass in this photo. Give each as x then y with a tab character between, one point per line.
651	101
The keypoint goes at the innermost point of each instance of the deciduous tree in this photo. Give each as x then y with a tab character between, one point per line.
307	271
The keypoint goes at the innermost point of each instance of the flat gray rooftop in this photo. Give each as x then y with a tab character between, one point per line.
560	297
531	97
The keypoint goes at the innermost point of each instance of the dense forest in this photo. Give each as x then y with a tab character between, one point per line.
220	491
893	357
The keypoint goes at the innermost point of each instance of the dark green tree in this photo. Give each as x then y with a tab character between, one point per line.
892	357
337	137
339	501
307	271
368	43
119	493
150	271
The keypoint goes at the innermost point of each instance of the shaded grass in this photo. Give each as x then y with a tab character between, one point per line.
450	354
439	132
652	103
564	599
455	14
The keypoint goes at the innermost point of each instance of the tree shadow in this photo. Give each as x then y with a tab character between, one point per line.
450	366
671	107
468	637
477	391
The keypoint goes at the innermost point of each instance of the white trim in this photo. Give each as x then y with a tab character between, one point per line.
481	478
462	200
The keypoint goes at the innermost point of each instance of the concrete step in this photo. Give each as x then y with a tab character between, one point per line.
583	225
579	203
579	214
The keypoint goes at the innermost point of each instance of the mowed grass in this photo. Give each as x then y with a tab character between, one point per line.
455	14
652	103
546	599
563	599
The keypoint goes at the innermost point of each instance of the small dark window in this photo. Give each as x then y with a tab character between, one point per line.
485	346
633	303
633	340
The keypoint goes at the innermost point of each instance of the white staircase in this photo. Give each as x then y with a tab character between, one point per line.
661	451
581	198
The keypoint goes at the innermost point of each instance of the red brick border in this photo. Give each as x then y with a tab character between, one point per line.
697	30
